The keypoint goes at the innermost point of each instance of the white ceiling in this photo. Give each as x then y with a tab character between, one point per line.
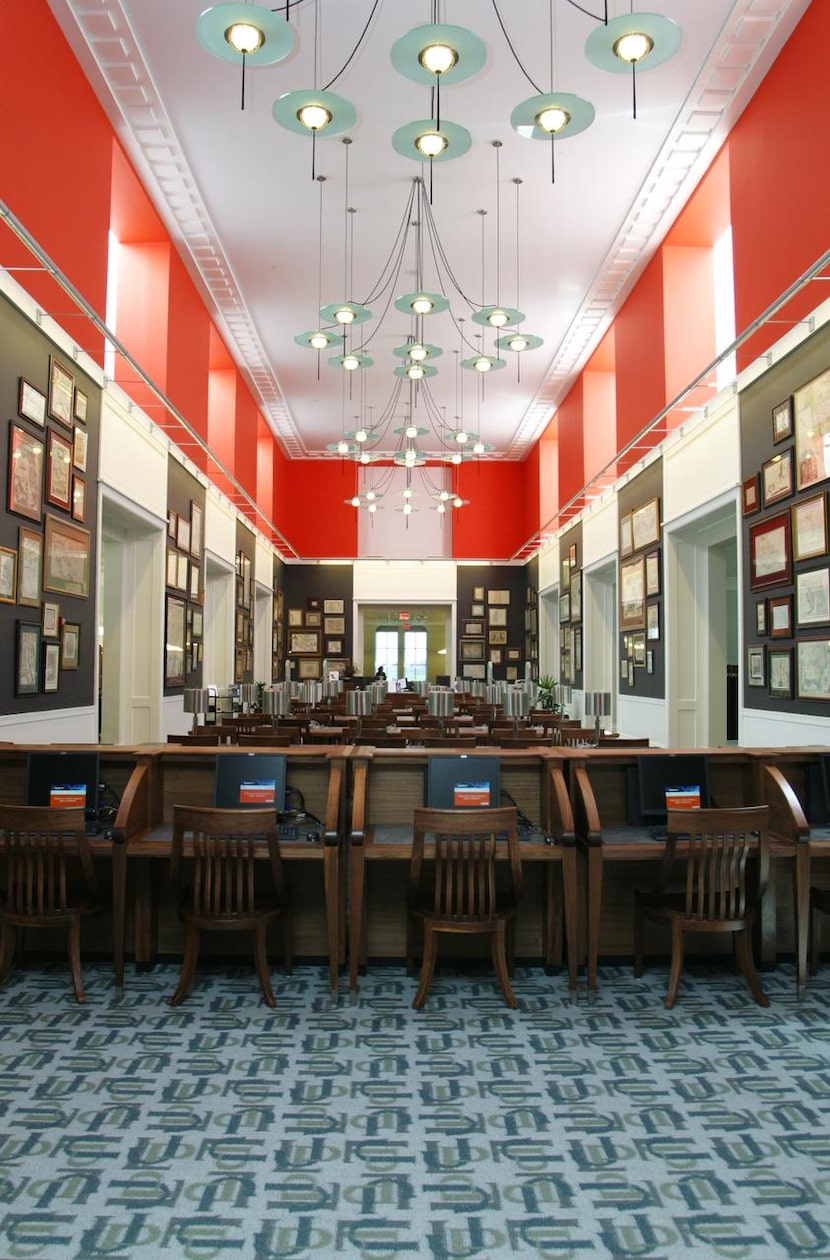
236	190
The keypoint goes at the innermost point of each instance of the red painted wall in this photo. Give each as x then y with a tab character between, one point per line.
56	159
571	439
780	177
311	510
493	525
638	332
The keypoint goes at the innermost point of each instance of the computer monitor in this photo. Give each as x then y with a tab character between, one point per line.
673	780
461	781
251	780
63	779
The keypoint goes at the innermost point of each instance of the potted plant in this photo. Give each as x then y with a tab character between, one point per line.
544	696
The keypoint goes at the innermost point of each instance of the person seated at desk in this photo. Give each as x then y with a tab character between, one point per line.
380	674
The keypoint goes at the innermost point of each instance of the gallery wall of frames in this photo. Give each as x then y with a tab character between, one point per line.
48	547
493	616
785	463
184	580
641	654
570	607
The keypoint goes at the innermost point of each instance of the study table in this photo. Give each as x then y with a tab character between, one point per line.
600	783
168	775
387	786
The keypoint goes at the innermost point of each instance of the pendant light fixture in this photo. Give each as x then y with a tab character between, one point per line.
636	41
552	115
497	316
346	313
314	111
318	339
244	33
517	341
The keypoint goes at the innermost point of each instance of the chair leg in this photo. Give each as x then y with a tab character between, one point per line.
747	965
427	966
815	938
288	942
639	916
498	949
73	945
411	930
677	948
261	960
190	955
7	936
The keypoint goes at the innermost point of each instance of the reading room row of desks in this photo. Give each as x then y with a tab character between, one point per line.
586	841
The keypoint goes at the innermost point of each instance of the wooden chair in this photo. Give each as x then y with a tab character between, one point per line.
41	847
268	740
223	895
460	894
197	740
819	903
718	894
575	736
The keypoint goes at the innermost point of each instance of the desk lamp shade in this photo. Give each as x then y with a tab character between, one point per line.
276	701
358	703
440	702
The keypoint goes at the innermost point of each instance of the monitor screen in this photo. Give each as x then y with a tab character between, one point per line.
461	781
673	781
63	780
250	781
823	811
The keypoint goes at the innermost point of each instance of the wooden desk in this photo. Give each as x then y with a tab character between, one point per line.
166	776
785	787
387	786
598	784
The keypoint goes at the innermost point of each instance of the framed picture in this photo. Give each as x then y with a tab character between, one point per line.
626	543
769	552
174	641
295	616
476	610
652	621
59	471
183	533
498	637
576	597
780	661
51	666
50	621
755	665
514	654
777	477
649	661
812	597
809	523
565	579
813	669
780	617
25	473
645	525
495	656
313	619
811	418
78	499
181	572
334	606
80	405
565	607
314	604
632	593
498	597
471	649
66	558
304	642
652	573
478	594
197	623
172	518
80	442
31	404
472	629
497	617
750	495
469	670
195	579
195	530
334	647
578	651
309	668
61	392
29	565
8	575
334	625
782	420
70	645
512	673
760	616
172	574
27	659
572	555
638	649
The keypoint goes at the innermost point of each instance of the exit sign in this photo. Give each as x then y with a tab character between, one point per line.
403	616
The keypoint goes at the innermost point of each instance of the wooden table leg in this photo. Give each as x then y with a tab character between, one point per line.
569	908
119	908
331	892
594	910
357	875
801	897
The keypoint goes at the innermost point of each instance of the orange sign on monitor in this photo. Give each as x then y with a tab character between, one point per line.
259	792
471	795
67	796
683	798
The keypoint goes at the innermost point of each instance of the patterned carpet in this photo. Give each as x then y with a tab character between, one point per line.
612	1128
